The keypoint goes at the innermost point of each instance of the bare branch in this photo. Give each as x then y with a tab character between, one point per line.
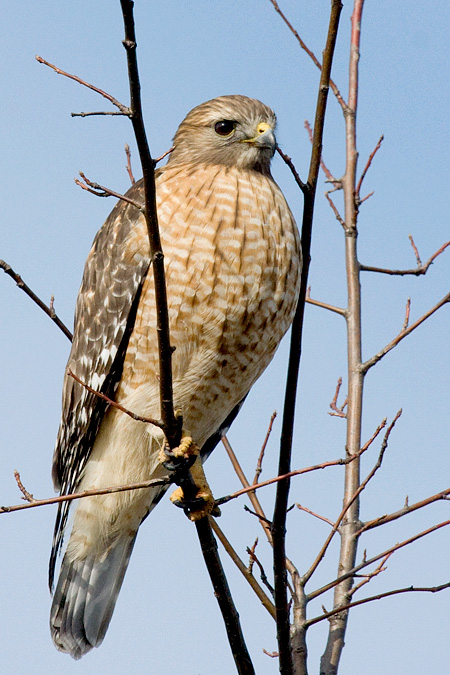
345	509
155	482
128	167
101	112
49	310
263	449
338	412
316	515
246	573
27	496
316	62
403	333
324	305
366	168
123	108
323	166
290	164
380	596
405	511
422	268
339	218
114	404
262	572
101	191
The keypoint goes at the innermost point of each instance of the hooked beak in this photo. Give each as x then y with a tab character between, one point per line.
265	138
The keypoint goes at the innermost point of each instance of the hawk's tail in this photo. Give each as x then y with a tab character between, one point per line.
85	597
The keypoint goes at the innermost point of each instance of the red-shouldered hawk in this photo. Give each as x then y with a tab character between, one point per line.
232	258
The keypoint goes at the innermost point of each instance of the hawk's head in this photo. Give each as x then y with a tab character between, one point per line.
229	130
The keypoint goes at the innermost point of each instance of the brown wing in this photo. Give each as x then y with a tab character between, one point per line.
104	317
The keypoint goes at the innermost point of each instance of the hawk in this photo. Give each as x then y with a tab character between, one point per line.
233	262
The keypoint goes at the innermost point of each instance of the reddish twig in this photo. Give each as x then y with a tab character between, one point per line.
128	167
324	168
273	655
124	110
114	404
161	157
380	596
405	511
407	312
403	333
155	482
291	474
49	310
316	62
263	449
251	561
338	412
339	218
350	501
422	268
246	573
101	191
316	515
416	252
366	168
324	305
368	577
27	496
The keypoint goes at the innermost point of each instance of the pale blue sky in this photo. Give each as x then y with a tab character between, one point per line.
166	618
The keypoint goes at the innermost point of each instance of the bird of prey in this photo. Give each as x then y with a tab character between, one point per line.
233	263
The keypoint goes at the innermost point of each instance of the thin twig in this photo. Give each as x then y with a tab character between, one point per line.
102	112
316	62
316	515
338	412
101	191
422	268
323	166
287	160
403	333
246	573
306	577
123	108
27	496
380	596
324	305
49	310
366	168
114	404
263	449
128	167
155	482
405	511
262	572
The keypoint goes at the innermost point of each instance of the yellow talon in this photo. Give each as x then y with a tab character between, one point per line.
203	492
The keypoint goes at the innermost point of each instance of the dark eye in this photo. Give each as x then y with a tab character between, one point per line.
225	127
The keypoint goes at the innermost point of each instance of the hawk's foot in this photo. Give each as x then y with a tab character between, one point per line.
203	503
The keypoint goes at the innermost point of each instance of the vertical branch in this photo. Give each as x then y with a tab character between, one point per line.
349	526
292	654
222	592
172	424
156	252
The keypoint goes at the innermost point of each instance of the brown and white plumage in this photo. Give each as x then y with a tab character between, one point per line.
232	257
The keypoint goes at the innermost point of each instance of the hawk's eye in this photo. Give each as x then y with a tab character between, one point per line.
225	127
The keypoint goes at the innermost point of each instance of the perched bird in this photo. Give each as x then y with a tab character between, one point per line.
233	262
